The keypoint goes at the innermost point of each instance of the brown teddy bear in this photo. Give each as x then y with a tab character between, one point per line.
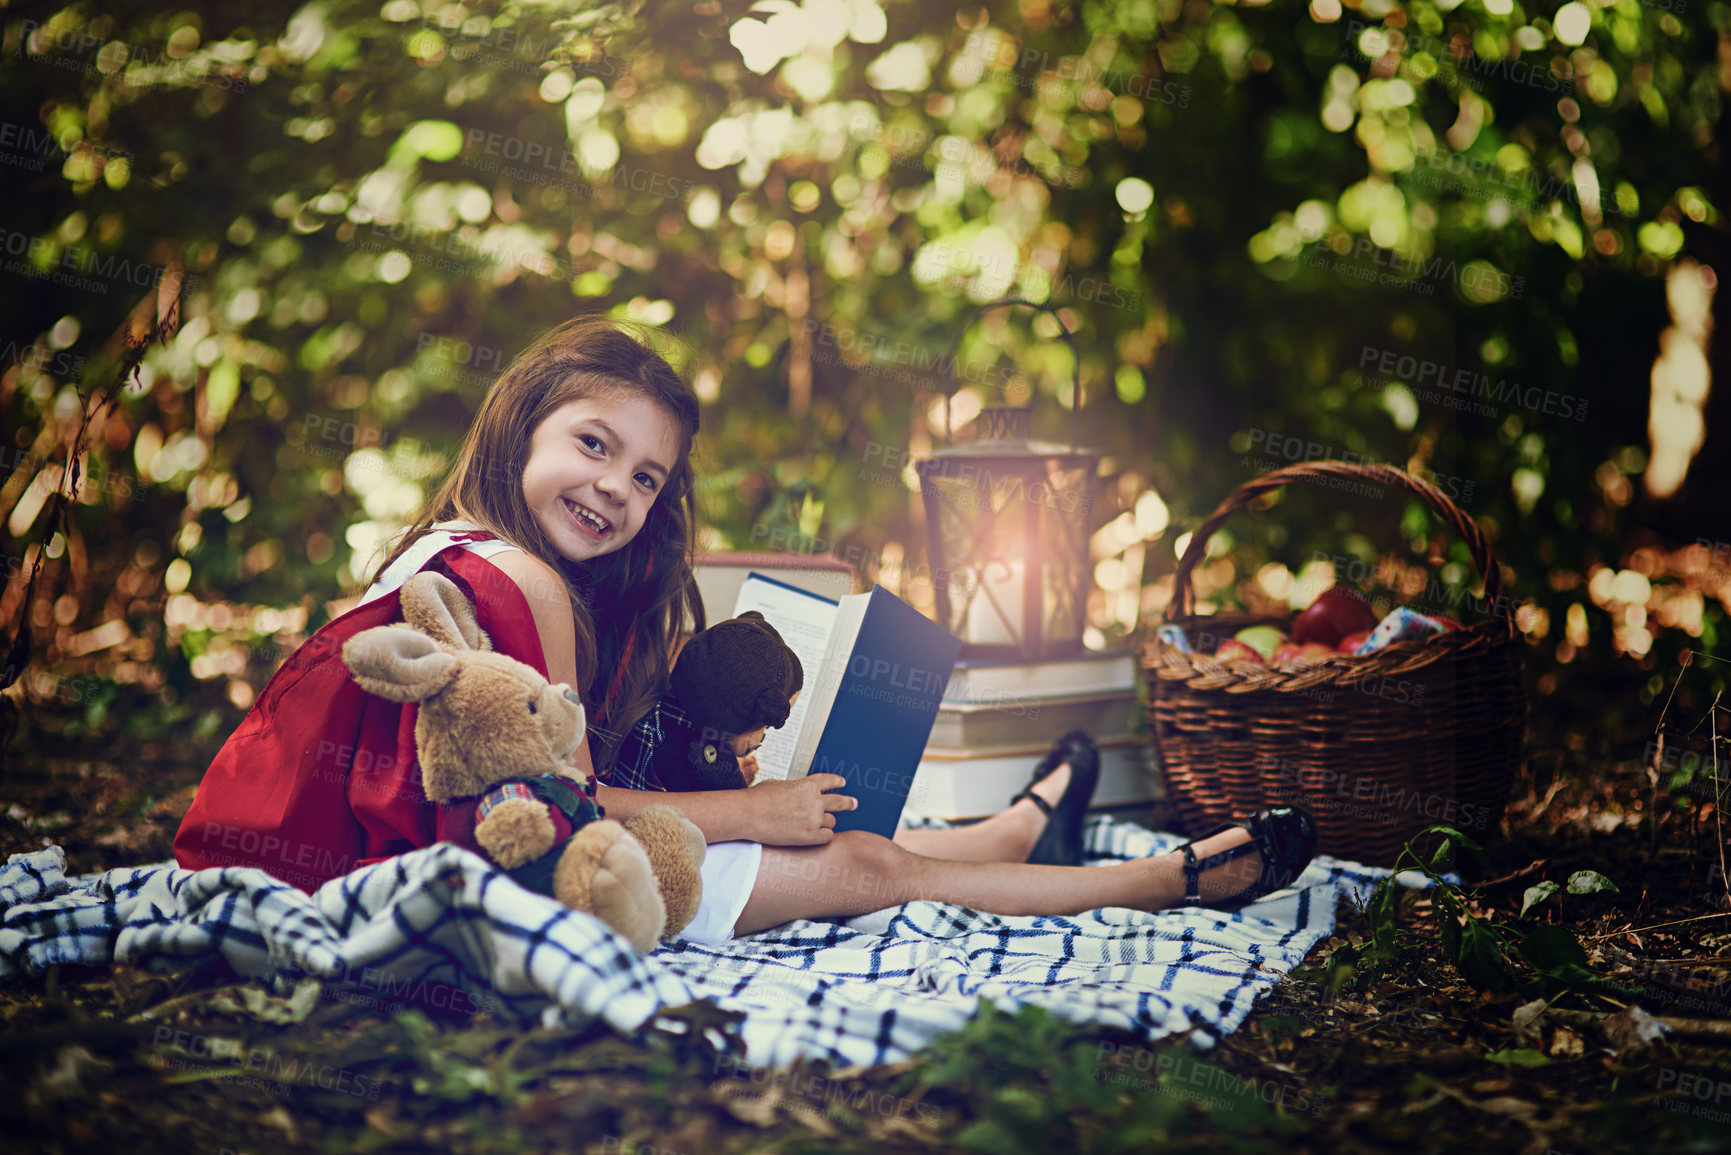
731	682
494	740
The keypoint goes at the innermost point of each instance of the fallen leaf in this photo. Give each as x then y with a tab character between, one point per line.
746	1104
278	1117
383	1119
1519	1057
1526	1018
259	1004
1633	1029
1566	1043
72	1065
1416	1105
809	1115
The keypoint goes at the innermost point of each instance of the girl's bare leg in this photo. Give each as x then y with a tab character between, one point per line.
1007	836
859	872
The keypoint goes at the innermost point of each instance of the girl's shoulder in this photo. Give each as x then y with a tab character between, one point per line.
542	585
441	537
480	564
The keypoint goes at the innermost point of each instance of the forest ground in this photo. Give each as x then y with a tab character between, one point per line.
1409	1056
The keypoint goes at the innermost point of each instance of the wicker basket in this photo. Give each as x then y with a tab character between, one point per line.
1375	747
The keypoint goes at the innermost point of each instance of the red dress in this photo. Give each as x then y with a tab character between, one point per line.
321	776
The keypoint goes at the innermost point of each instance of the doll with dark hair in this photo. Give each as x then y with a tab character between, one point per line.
730	683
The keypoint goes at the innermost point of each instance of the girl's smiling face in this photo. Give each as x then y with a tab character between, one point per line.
594	469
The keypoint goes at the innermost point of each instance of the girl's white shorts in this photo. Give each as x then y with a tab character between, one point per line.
729	871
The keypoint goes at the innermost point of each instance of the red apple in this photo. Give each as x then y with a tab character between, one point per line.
1351	642
1233	650
1301	654
1336	612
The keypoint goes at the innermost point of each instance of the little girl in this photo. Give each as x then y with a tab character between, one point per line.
569	519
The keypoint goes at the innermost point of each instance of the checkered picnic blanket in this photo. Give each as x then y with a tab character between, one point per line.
440	927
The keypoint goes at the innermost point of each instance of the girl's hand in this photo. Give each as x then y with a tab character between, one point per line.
799	813
748	767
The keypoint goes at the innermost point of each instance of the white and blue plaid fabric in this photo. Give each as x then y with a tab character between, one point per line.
442	927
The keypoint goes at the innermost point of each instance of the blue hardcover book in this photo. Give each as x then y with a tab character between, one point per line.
872	689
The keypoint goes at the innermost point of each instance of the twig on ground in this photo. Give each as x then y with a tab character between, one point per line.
152	1012
1655	926
1685	1028
1521	873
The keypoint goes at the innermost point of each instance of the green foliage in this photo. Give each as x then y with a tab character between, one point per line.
1580	882
1519	1057
1555	953
1536	894
377	205
1590	882
1482	950
1035	1083
455	1066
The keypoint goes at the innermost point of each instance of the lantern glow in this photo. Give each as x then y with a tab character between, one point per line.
1009	520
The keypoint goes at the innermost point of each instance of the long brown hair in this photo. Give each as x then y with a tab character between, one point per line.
638	595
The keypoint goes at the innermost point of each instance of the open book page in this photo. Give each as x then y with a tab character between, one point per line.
803	620
831	668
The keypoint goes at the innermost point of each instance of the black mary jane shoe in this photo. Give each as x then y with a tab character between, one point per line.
1060	842
1285	836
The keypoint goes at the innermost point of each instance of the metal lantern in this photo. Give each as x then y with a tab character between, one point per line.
1008	519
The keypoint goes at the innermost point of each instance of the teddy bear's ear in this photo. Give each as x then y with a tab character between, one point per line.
433	604
771	707
399	663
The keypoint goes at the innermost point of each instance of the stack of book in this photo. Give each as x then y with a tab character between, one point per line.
998	718
721	576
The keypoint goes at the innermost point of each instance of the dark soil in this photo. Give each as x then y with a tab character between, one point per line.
1412	1059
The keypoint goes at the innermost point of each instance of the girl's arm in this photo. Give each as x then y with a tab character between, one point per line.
776	813
550	606
798	813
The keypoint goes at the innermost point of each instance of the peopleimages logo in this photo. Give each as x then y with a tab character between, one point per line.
64	48
258	1065
1365	260
507	47
1277	450
1032	67
23	146
1431	379
1483	178
1466	66
908	146
540	163
34	358
46	259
